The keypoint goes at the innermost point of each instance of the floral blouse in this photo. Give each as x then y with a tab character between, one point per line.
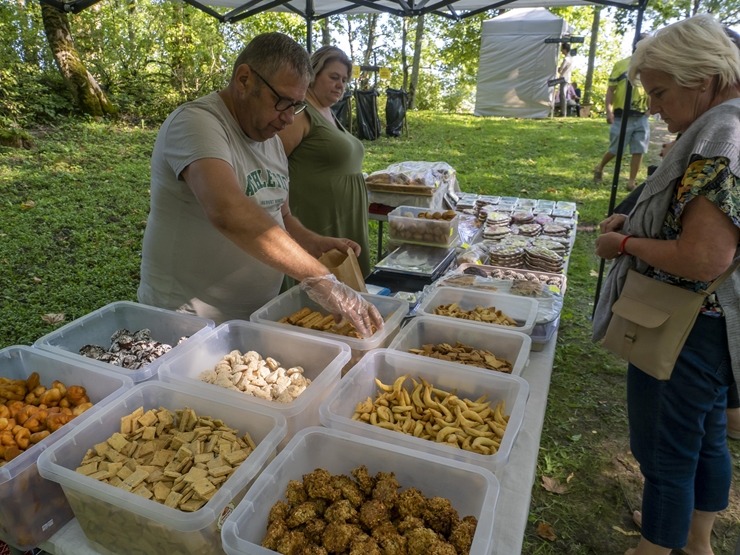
712	179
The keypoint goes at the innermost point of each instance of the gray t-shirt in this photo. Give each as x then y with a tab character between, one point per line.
186	263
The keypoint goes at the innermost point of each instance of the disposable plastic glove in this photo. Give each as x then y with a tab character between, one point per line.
343	302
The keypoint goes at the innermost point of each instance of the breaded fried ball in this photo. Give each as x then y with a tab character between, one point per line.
409	523
291	543
350	490
411	502
318	485
275	530
279	510
295	493
462	535
364	545
386	488
441	548
374	513
364	480
389	540
420	540
308	510
314	530
440	515
338	535
341	511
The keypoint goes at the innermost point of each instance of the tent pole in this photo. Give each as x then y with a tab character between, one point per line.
620	152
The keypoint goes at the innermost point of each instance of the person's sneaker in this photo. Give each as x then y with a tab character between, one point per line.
598	175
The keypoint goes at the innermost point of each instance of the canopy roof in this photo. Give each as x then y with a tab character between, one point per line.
311	10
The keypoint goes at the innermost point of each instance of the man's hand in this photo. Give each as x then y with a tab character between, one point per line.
343	302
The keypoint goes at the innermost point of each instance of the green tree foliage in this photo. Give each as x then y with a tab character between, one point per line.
150	55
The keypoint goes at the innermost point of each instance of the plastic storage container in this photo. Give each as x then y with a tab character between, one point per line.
405	226
96	328
471	383
543	333
471	490
33	509
117	521
321	359
512	346
391	309
522	309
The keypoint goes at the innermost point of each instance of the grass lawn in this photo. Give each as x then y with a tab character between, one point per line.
73	211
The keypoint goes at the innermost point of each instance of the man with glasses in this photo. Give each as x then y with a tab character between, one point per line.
220	234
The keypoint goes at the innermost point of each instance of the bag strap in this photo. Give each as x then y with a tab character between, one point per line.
717	282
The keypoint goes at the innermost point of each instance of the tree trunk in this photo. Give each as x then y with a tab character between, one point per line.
87	94
326	33
586	101
416	62
372	23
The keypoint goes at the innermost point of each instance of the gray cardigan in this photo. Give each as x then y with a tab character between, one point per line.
715	133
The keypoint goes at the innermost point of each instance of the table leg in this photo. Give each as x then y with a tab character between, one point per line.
379	250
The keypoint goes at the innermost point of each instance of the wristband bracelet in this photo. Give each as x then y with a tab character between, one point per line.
622	246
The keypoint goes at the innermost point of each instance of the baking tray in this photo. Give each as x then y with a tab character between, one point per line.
417	260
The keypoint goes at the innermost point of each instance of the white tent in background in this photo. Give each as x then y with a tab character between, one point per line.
516	62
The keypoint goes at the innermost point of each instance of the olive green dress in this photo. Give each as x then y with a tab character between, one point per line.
327	189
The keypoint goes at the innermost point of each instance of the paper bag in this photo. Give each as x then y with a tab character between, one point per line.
345	267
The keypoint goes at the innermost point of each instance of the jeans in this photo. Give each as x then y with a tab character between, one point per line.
677	434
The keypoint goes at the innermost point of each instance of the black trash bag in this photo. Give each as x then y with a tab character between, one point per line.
342	110
368	122
395	111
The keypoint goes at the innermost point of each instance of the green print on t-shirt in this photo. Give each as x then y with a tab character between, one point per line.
255	181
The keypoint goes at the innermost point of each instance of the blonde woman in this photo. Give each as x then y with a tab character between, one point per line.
327	188
685	230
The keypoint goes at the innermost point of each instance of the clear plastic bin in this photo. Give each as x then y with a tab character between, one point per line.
391	309
543	333
471	490
509	345
321	359
33	509
522	309
387	365
96	328
405	226
117	521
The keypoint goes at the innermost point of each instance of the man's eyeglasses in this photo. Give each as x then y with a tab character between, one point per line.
283	103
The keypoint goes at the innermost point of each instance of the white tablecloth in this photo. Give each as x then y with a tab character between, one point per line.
516	478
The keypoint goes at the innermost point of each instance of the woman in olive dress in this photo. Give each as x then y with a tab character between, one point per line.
327	188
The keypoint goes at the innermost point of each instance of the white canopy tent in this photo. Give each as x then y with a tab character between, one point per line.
516	62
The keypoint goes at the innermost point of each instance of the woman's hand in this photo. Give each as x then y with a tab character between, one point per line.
340	243
615	222
607	245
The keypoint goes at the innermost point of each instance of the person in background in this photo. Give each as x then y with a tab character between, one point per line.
573	98
564	71
220	234
327	188
638	126
684	230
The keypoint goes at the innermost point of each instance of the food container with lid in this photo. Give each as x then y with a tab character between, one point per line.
470	489
467	382
34	509
392	310
122	522
510	346
422	226
321	359
96	328
523	310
